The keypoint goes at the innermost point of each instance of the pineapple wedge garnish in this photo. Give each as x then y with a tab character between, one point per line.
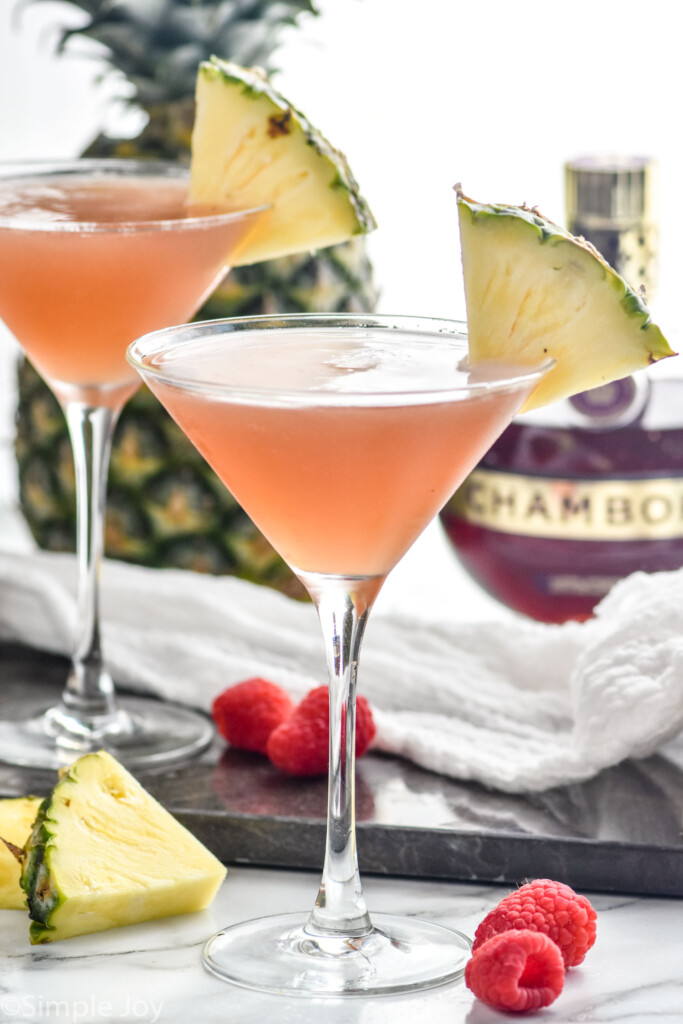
533	291
252	148
17	815
104	853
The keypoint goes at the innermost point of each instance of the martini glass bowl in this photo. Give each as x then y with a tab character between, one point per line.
94	253
342	437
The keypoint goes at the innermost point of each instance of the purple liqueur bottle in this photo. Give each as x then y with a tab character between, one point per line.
575	496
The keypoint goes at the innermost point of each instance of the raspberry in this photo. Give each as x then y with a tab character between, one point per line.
516	970
300	746
549	907
246	714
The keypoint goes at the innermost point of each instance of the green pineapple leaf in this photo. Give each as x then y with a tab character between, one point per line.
158	44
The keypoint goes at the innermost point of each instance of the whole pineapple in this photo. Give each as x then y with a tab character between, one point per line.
165	506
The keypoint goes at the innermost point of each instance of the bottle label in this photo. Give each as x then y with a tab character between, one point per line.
649	509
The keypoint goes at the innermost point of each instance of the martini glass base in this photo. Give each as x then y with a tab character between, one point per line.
278	954
140	733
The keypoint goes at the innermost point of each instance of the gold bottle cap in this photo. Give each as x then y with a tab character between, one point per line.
609	191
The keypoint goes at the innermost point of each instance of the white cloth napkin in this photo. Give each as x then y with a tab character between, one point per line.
518	706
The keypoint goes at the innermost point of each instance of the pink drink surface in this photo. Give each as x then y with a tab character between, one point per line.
340	478
75	299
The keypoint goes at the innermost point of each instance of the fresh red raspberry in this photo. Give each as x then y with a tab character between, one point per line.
300	746
246	714
549	907
516	970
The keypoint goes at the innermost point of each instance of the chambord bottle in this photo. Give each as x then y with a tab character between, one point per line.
577	495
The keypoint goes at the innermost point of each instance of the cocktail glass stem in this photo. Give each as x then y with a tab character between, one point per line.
343	607
89	688
338	948
88	716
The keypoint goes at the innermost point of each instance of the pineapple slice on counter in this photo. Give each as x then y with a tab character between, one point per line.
535	291
17	815
104	853
251	147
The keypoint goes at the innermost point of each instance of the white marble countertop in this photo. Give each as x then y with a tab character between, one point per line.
153	972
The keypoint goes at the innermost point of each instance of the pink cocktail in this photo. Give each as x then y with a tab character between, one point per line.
342	437
92	254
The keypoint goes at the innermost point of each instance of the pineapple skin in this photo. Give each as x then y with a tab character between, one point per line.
64	895
17	816
534	291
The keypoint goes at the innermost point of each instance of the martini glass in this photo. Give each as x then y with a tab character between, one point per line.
342	437
94	253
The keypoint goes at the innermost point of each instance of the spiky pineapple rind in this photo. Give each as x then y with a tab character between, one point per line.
549	232
42	894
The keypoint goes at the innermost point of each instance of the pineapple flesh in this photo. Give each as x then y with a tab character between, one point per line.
533	291
252	148
103	853
17	816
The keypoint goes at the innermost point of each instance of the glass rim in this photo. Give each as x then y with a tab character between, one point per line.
155	342
113	167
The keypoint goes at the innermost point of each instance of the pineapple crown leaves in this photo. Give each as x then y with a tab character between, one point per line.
632	301
157	44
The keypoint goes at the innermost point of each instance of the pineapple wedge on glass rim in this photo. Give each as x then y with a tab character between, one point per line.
252	148
17	815
104	853
533	291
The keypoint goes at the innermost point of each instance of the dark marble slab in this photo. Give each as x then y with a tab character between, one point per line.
619	832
